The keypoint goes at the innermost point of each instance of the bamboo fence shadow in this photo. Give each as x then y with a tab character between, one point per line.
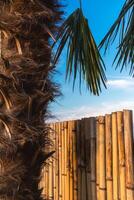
93	160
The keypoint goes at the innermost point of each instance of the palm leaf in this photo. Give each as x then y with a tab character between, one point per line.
124	25
83	57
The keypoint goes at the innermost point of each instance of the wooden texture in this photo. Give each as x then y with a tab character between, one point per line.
121	149
97	159
102	159
115	157
129	154
88	158
93	159
109	175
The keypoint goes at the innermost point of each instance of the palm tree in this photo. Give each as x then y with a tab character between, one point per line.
27	28
123	28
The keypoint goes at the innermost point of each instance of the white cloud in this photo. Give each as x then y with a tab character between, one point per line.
124	83
121	83
88	111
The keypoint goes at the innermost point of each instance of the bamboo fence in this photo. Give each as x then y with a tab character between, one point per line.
93	160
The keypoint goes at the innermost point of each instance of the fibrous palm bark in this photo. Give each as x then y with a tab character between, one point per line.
26	89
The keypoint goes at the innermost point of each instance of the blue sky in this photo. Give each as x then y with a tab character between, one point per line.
119	94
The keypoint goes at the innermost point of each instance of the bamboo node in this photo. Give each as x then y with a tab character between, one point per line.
109	178
101	188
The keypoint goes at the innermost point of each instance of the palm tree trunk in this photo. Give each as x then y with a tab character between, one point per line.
26	89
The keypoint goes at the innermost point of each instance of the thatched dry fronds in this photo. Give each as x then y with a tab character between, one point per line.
26	27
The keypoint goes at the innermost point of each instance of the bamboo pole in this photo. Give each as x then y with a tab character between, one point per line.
121	148
43	186
78	124
57	161
102	159
93	157
129	154
97	159
66	161
83	164
50	179
63	160
60	160
88	159
109	177
71	159
47	181
50	165
74	162
54	163
115	157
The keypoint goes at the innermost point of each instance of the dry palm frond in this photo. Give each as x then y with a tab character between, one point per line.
18	45
124	27
83	57
6	99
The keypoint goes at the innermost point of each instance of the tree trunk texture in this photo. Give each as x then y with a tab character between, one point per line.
26	89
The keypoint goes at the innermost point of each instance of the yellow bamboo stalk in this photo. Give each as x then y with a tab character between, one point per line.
78	125
63	159
74	161
41	182
50	179
97	159
57	161
66	161
121	148
109	177
129	154
50	167
115	157
88	159
71	159
53	177
54	164
47	182
60	160
102	159
93	157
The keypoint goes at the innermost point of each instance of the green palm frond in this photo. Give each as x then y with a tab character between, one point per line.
83	57
124	25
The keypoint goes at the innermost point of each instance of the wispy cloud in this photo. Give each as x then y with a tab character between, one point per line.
121	83
88	111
